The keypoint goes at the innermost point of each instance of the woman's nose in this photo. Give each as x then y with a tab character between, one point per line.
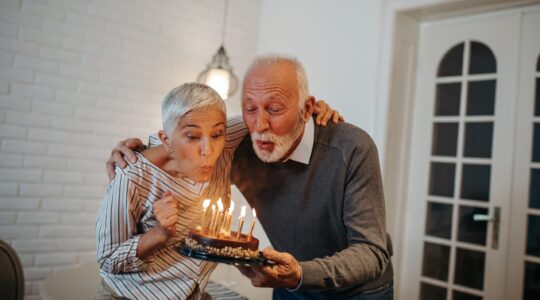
207	147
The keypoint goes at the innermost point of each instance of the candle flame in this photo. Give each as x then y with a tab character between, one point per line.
206	203
243	211
254	214
231	207
220	205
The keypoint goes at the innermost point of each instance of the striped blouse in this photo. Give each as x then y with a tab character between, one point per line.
126	212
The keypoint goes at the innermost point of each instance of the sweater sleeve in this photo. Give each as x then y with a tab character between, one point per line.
116	227
366	257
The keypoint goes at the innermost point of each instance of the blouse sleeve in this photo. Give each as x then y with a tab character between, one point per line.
117	236
236	131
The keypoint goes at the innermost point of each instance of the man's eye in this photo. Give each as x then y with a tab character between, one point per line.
250	109
274	109
192	136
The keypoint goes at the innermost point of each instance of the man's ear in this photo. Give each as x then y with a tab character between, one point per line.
164	138
309	107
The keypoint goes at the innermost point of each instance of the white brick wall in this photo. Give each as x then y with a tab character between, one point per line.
77	76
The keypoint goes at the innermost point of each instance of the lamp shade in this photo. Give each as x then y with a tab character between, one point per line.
219	75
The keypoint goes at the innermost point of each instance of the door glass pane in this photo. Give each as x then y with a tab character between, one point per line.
457	295
447	99
452	62
436	260
481	98
472	231
534	189
432	292
536	143
482	59
478	139
439	220
469	268
537	98
531	290
445	137
441	181
533	235
475	182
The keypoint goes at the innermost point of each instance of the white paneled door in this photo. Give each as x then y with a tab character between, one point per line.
473	207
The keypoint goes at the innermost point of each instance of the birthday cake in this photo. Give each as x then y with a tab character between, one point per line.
214	235
224	244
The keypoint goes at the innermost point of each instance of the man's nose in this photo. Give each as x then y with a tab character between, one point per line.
262	123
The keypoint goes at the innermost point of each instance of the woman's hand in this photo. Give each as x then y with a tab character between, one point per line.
324	113
166	213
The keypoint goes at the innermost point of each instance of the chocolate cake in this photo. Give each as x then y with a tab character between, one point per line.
223	244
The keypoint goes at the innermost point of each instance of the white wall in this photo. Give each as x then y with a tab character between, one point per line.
338	44
75	78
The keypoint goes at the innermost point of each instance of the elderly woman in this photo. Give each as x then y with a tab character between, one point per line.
150	205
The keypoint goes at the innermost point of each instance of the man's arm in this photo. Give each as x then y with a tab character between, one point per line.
125	150
366	258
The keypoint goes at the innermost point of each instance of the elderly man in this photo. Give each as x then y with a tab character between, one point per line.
317	192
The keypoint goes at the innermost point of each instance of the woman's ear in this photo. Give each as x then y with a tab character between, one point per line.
165	140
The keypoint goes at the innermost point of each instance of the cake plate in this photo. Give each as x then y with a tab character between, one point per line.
235	261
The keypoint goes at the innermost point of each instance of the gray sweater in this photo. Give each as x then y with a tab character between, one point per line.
329	214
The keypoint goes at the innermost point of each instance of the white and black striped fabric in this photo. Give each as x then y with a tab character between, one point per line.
220	292
126	213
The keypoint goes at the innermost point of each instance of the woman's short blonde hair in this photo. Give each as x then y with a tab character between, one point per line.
186	98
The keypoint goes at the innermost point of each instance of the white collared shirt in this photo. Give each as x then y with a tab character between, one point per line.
302	153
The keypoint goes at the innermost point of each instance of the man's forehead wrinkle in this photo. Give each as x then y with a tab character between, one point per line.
266	89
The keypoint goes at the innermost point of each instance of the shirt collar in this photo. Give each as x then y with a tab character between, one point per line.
302	153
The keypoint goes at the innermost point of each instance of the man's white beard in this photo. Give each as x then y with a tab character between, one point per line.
282	144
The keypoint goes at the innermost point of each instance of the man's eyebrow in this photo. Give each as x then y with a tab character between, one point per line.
219	123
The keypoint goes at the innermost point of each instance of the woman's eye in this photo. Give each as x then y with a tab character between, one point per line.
192	136
217	135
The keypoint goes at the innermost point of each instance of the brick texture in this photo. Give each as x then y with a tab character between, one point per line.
76	77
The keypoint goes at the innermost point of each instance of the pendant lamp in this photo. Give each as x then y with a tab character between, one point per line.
218	73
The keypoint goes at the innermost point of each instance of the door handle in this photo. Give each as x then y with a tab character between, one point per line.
496	220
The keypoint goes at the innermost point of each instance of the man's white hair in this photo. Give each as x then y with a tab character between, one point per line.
270	59
187	98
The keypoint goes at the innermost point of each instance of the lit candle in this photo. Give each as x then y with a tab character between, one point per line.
219	220
229	218
241	221
252	225
205	205
212	219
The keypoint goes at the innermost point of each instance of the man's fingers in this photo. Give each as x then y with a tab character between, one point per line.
134	143
128	153
110	170
281	258
117	158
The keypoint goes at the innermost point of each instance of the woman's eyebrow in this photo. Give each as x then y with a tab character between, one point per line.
219	123
191	125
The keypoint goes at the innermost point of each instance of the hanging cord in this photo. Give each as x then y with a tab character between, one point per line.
224	27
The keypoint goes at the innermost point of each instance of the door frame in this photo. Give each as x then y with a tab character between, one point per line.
396	94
